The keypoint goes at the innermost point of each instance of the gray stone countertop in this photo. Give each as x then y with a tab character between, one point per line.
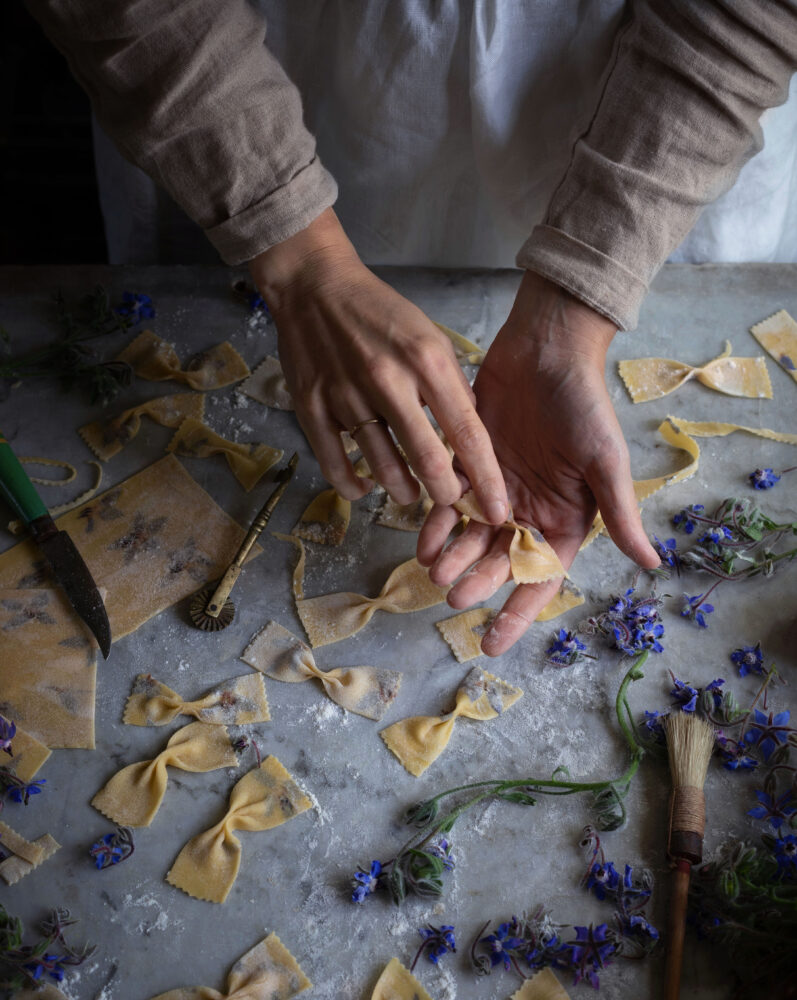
509	859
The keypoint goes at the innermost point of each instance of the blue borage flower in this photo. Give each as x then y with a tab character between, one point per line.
684	694
603	879
502	941
8	731
763	479
437	942
566	649
767	732
749	659
654	726
366	883
732	752
257	303
51	965
775	810
687	518
695	609
785	851
442	849
590	952
633	622
112	848
22	792
716	536
667	551
135	307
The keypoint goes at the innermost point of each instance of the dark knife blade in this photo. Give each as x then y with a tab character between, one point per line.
74	576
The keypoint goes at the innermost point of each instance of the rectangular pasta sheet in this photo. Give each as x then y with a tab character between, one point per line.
149	542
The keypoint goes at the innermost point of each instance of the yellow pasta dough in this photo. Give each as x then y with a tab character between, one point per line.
47	669
531	558
368	691
237	702
466	351
23	855
266	797
652	378
398	983
778	336
405	517
248	462
334	617
266	972
28	753
543	985
154	359
419	741
107	438
267	385
464	632
133	795
681	434
325	520
150	542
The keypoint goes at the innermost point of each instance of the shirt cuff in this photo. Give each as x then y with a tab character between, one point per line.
275	218
599	281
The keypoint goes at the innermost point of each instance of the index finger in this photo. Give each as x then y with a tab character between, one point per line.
467	435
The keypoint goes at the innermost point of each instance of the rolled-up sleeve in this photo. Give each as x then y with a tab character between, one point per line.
677	119
189	93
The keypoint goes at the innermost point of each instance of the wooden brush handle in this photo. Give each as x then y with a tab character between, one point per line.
676	928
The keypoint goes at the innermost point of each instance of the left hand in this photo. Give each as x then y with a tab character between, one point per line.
541	394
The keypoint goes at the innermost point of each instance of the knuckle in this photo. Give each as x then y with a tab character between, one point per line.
433	463
467	434
432	360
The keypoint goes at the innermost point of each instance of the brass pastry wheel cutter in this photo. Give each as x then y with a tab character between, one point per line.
211	608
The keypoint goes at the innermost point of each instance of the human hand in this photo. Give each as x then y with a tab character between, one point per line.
542	396
353	349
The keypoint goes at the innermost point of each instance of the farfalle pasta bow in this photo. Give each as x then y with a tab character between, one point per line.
652	378
237	702
267	972
334	617
531	558
106	438
248	462
266	797
420	740
325	519
152	358
267	385
278	653
133	796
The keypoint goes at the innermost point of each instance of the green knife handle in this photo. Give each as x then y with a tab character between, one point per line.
15	486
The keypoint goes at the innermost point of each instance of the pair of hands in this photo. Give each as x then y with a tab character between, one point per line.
537	430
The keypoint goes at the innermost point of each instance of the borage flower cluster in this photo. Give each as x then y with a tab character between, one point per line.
418	869
51	957
632	622
16	790
531	943
736	541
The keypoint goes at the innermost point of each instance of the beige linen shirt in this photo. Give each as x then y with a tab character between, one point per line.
189	92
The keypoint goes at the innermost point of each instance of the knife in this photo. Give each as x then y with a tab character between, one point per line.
56	546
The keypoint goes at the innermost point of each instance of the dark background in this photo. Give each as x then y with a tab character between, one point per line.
50	212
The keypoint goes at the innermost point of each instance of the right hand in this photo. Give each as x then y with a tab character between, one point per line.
353	349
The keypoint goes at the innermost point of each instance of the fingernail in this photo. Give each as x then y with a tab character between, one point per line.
496	511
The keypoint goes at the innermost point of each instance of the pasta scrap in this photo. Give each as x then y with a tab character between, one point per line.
133	795
778	336
267	385
248	462
28	754
266	972
154	359
367	691
238	702
23	855
398	983
264	798
652	378
325	520
419	741
107	438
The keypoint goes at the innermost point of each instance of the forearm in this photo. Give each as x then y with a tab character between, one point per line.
677	120
189	93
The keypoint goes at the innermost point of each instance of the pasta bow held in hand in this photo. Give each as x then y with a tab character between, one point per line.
541	394
133	796
264	798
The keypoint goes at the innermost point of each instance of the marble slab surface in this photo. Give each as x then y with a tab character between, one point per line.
509	859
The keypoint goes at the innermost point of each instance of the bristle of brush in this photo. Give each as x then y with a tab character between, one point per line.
690	742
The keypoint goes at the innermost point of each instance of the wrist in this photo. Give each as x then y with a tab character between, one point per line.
312	257
555	322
